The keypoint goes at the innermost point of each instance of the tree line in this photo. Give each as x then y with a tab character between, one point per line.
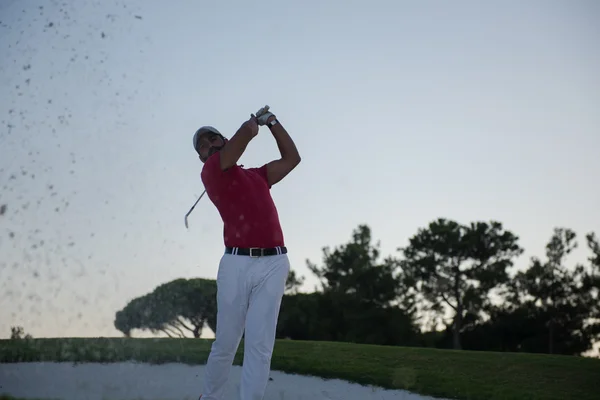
451	286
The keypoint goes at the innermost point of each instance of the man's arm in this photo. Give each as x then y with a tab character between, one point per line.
235	147
290	158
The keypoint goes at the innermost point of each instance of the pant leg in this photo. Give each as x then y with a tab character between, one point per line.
233	290
269	276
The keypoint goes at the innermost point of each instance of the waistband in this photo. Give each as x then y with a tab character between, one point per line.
256	251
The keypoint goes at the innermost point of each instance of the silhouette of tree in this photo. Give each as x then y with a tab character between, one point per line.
174	308
456	266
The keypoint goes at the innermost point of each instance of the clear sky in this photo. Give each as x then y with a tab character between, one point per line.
403	112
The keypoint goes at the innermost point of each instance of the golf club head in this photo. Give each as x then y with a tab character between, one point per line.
192	209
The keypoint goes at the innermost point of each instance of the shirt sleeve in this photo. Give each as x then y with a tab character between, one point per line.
262	172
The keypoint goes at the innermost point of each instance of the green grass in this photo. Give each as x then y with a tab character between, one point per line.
6	397
462	375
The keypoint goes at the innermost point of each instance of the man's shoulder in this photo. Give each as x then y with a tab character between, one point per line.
212	162
212	171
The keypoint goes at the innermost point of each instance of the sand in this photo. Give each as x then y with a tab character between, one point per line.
137	381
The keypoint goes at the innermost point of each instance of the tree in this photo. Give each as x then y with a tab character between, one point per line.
355	269
18	333
456	266
123	324
591	280
174	308
293	282
362	298
190	304
334	316
304	316
145	312
565	299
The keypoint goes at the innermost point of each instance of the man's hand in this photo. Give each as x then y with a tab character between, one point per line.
265	117
251	125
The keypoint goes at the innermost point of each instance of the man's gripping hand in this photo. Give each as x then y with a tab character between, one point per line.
251	125
264	115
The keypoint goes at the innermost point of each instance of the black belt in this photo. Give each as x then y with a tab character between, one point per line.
256	251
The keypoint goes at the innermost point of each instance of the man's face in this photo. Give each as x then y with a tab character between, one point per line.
208	144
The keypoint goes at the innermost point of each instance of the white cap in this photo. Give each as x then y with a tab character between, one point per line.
202	131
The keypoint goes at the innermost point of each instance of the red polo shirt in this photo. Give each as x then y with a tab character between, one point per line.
242	197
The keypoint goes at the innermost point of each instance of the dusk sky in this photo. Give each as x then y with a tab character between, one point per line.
403	112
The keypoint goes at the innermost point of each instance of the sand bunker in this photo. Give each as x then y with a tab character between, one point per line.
137	381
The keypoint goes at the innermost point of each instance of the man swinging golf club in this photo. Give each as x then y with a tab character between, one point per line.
253	271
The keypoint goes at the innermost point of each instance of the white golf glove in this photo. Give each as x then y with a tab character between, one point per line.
263	115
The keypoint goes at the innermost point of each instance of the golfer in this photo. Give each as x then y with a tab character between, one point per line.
254	268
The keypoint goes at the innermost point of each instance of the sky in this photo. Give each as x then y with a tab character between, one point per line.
403	112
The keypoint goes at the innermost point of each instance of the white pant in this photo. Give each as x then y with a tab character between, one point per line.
249	292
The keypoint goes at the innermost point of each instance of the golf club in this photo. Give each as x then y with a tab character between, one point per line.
192	209
258	114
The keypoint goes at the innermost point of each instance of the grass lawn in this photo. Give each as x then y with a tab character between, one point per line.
445	373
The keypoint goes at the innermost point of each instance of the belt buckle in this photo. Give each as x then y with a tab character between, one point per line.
255	248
